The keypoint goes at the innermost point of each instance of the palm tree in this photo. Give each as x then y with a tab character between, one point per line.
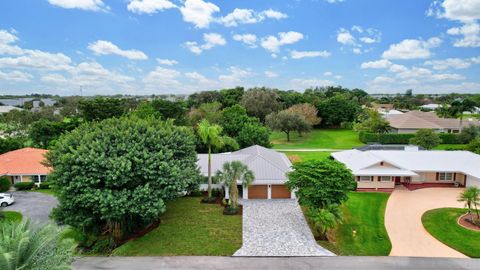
232	173
471	197
23	246
325	219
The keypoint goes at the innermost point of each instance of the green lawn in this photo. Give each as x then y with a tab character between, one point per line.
363	212
442	224
304	156
317	138
189	228
450	147
12	216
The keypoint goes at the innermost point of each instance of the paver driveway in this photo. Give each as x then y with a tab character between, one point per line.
35	205
404	225
277	228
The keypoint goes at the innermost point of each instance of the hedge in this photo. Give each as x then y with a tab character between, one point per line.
395	138
44	185
4	184
24	185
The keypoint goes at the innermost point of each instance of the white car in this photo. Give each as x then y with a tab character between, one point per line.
6	199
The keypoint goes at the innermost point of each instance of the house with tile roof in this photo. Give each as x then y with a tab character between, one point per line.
269	167
381	170
24	165
412	121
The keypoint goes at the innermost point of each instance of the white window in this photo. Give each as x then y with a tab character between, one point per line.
385	178
365	178
445	176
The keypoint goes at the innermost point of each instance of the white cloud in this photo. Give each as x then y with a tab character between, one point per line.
328	73
344	37
162	78
301	84
248	39
35	59
103	47
167	62
92	5
382	80
149	6
470	33
248	16
273	43
93	73
273	14
455	63
235	77
456	10
357	50
198	12
383	63
302	54
397	68
334	1
412	49
210	40
270	74
15	76
199	78
7	37
54	78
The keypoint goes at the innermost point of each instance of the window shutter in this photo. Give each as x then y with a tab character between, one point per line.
379	178
371	178
358	178
437	176
454	176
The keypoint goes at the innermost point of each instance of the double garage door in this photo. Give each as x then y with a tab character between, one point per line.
261	192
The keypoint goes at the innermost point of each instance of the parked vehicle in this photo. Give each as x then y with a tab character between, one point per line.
6	199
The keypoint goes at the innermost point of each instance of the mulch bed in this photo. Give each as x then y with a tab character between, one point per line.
464	221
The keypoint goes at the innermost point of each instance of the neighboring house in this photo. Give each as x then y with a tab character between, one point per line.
381	170
430	107
388	113
6	109
412	121
24	165
270	168
377	106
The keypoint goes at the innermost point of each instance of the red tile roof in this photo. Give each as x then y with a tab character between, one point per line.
25	161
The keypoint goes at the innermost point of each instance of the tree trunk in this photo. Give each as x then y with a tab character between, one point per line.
209	170
288	136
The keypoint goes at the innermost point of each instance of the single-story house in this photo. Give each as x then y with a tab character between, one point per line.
383	169
24	165
430	106
412	121
270	168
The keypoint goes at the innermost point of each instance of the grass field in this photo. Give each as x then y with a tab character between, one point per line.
442	224
450	147
363	212
12	216
304	156
317	138
189	228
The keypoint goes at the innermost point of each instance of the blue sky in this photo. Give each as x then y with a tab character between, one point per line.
173	46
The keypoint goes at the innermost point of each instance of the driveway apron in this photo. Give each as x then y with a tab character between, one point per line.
34	205
277	228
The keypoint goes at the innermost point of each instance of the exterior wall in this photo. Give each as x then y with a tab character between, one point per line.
375	184
414	130
473	181
460	178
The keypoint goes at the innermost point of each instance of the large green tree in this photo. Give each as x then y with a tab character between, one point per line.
234	118
319	183
338	109
474	146
426	138
372	121
260	102
102	108
253	134
287	122
115	175
171	109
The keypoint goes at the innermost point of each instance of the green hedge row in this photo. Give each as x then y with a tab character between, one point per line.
393	138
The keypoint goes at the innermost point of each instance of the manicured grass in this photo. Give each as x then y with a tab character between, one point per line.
12	216
318	138
363	212
442	224
304	156
450	147
189	228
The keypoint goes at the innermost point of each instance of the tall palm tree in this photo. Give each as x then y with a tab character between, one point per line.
210	134
471	197
232	173
23	246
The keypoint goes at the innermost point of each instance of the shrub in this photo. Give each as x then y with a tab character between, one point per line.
426	138
450	138
387	138
209	200
44	185
4	184
228	210
217	192
24	185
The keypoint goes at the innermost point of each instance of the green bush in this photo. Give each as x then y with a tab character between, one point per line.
4	184
24	185
231	210
217	192
450	138
44	185
395	138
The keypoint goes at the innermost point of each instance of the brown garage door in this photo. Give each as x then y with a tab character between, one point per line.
280	192
258	192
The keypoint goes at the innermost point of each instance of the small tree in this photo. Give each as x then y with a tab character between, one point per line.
426	138
474	146
4	183
319	183
471	197
232	173
286	121
468	134
254	134
325	219
308	111
23	246
372	122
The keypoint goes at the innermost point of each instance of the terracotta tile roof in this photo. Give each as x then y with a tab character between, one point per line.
419	119
23	161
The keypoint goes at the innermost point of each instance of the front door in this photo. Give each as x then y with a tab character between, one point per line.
397	180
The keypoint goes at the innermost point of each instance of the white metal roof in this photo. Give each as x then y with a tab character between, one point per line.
266	164
414	161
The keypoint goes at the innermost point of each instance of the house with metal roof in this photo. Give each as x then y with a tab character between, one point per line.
383	169
24	165
412	121
269	167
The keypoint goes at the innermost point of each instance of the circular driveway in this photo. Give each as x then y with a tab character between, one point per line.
403	221
34	205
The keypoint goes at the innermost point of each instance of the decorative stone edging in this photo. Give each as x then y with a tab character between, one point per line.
471	226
